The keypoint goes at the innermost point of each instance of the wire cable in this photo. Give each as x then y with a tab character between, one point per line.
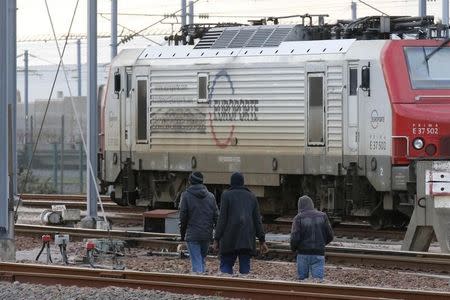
27	176
130	30
153	24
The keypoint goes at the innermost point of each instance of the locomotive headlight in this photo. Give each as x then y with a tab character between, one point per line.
418	143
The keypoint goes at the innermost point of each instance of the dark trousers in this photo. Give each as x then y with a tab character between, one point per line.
227	262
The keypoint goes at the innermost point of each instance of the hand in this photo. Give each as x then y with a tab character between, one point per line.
181	247
216	246
263	249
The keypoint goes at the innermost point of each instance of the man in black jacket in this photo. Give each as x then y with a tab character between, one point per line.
238	225
198	216
310	232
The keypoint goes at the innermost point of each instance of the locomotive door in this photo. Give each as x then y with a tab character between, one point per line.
352	109
316	110
141	119
315	131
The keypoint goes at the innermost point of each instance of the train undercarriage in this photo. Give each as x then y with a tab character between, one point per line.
344	198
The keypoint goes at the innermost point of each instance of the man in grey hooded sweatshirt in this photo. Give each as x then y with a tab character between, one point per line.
310	232
198	216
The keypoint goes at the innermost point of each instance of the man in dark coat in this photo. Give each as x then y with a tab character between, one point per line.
310	232
198	216
238	225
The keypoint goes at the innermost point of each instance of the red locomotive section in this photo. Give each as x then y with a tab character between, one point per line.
417	74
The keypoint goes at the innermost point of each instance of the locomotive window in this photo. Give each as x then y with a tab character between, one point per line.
142	110
129	76
353	81
315	110
433	73
202	88
116	82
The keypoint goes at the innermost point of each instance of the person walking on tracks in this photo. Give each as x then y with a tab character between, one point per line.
310	232
198	216
238	224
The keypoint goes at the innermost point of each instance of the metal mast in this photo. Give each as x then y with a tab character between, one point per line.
79	66
422	8
92	110
113	28
7	36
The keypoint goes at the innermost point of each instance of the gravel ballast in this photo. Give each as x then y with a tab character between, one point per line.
20	291
138	260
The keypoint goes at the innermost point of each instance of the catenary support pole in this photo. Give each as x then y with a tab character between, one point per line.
61	170
7	245
113	28
191	12
353	6
92	131
79	66
445	12
81	153
11	88
183	12
422	8
25	98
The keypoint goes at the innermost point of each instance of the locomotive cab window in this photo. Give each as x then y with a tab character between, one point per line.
428	67
117	80
129	80
315	110
353	82
203	90
142	110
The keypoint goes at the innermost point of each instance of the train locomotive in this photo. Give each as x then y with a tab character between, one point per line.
339	112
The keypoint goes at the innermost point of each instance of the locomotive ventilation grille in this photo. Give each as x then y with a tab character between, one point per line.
445	146
248	36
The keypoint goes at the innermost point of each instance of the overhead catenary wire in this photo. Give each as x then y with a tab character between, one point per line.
27	175
130	30
149	26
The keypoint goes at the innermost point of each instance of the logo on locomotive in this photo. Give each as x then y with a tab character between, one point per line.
375	119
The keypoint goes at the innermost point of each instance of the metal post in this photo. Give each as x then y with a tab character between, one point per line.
11	88
4	218
422	8
81	168
92	131
7	36
55	166
183	12
445	12
191	12
25	88
353	6
61	168
31	130
79	66
113	28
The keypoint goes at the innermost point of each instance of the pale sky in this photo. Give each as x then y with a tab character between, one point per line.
33	21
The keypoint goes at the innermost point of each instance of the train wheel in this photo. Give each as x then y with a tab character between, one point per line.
377	221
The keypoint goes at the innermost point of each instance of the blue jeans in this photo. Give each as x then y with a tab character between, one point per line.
227	262
310	263
197	252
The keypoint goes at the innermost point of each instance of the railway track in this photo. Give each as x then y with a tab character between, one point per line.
202	285
116	213
121	214
416	261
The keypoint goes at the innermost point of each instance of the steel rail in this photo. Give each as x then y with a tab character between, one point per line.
418	261
58	197
204	285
